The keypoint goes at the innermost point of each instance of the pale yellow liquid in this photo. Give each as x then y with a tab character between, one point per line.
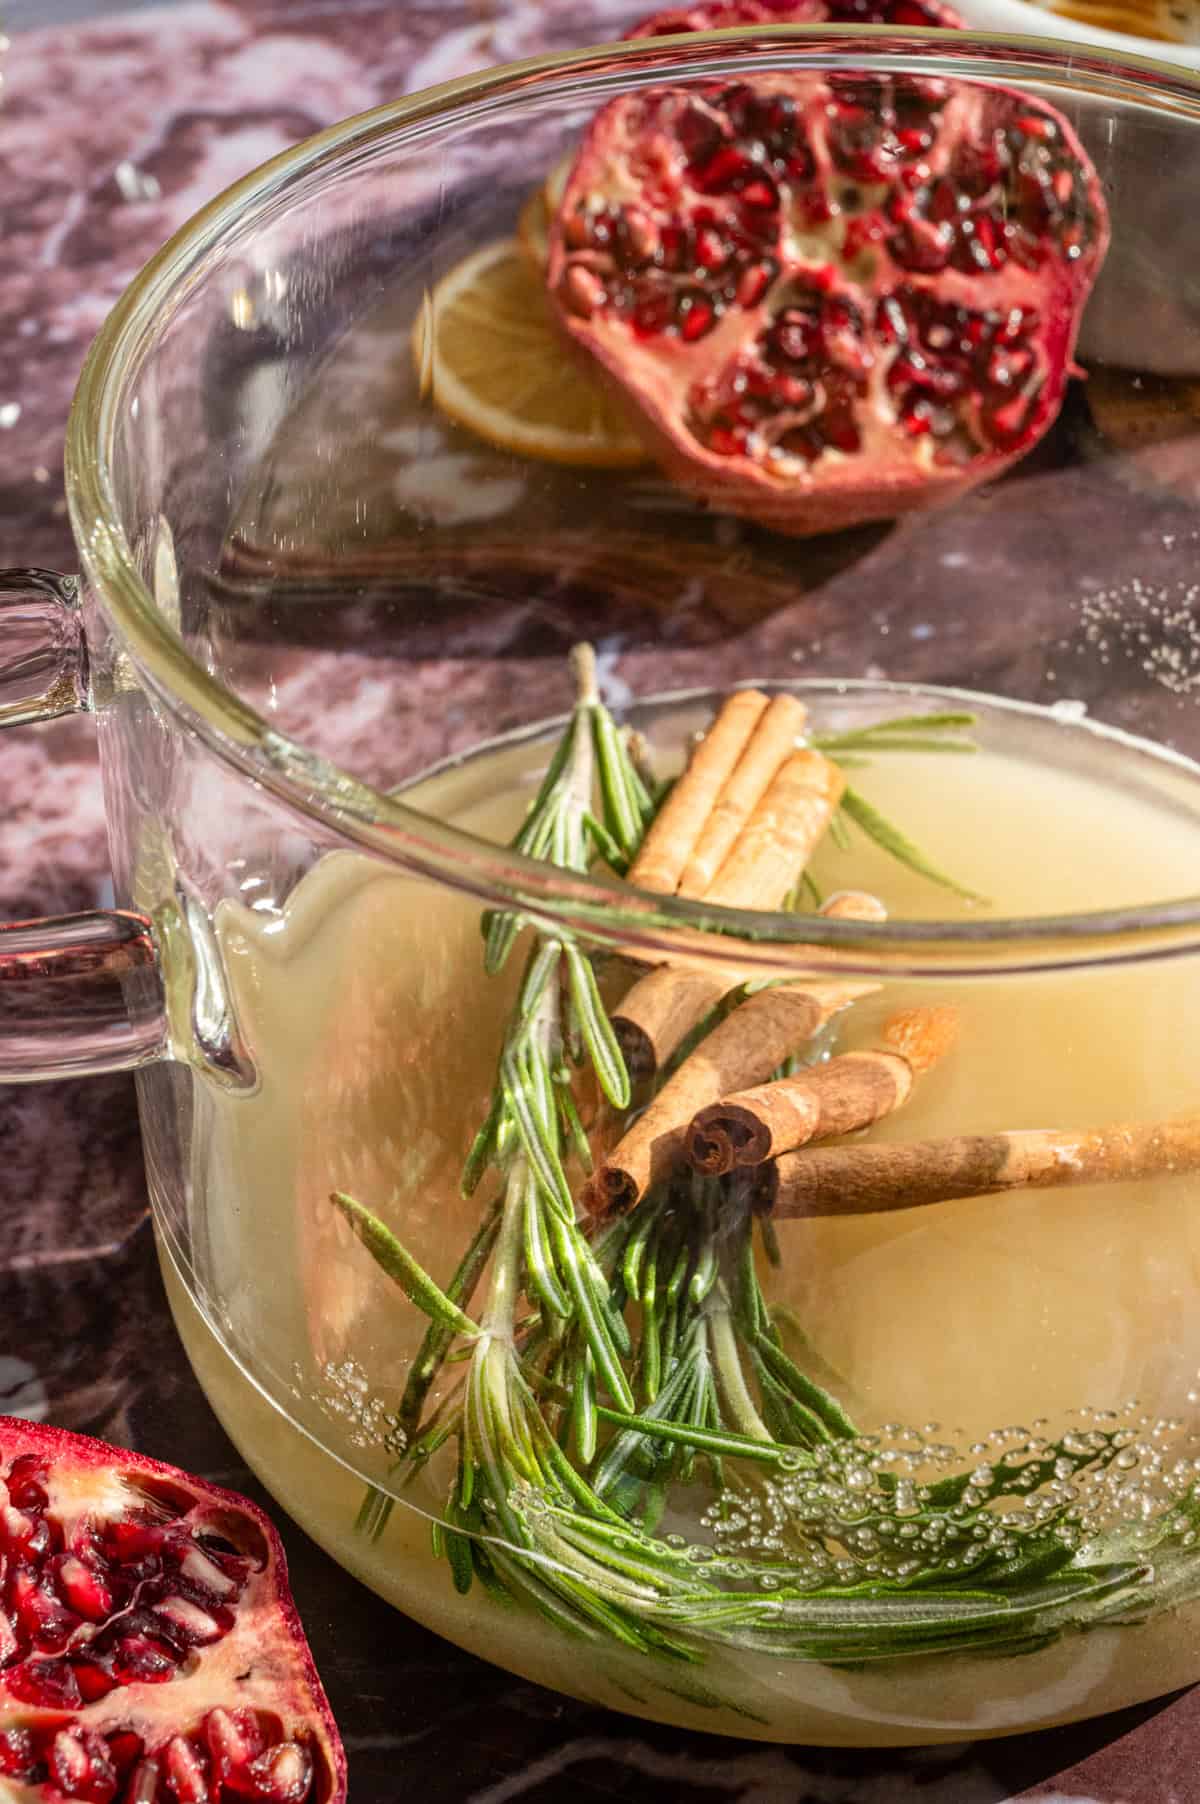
375	1034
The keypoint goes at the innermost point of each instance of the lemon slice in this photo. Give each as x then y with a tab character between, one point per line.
487	351
533	223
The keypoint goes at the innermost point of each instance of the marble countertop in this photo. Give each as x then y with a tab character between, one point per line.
112	131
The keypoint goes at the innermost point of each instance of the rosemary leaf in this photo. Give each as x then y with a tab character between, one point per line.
540	1273
733	1446
947	721
624	812
482	1147
402	1268
596	1028
635	1250
537	1146
891	840
583	1410
572	1264
834	1421
605	845
569	1117
437	1339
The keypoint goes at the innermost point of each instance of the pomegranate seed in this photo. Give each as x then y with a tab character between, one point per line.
39	1613
753	284
143	1787
81	1768
577	229
1062	185
94	1680
696	317
761	193
711	250
726	443
795	337
124	1750
128	1541
18	1528
698	134
676	247
28	1477
187	1771
654	312
641	234
50	1683
794	391
84	1589
234	1740
1007	368
139	1660
1010	422
583	291
727	167
17	1755
283	1774
201	1570
191	1625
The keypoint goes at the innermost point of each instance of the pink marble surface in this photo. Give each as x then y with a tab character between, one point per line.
110	135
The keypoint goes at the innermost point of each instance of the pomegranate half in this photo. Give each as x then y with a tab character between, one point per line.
831	299
725	15
150	1652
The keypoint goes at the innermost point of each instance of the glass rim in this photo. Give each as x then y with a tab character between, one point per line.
312	787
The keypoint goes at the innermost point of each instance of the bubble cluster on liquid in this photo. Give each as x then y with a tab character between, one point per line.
1155	625
344	1392
896	1503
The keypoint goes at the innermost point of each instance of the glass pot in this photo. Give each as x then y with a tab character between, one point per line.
307	600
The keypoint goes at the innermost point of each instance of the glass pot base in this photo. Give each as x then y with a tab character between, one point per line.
905	1704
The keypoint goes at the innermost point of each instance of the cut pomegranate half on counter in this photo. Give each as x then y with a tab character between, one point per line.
832	299
533	228
725	15
150	1652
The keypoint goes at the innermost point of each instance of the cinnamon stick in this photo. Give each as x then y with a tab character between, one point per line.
664	1007
852	1091
772	742
859	1180
747	1046
770	853
661	1010
681	820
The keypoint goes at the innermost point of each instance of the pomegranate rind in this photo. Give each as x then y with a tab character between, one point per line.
260	1670
635	181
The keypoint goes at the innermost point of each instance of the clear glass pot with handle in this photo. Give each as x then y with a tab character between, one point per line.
896	1441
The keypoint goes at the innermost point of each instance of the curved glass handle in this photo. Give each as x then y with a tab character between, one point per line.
78	995
43	655
82	993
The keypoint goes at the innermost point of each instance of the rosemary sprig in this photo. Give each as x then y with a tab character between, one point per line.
948	731
529	1524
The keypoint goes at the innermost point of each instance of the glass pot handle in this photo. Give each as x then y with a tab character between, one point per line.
80	993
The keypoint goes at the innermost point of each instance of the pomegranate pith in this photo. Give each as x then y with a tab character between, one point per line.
149	1649
832	298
